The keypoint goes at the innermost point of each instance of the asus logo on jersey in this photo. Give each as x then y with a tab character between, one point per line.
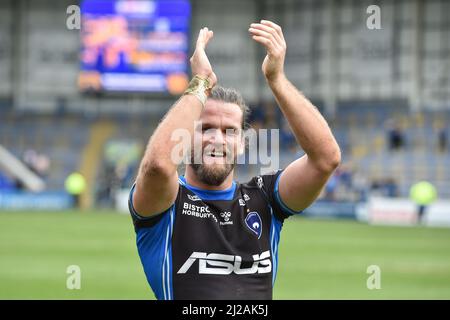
216	263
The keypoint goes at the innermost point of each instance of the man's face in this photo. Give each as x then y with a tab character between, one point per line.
217	142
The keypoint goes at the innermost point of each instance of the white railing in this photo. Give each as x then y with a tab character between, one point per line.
16	169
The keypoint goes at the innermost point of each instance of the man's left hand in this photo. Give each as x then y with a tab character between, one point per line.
271	36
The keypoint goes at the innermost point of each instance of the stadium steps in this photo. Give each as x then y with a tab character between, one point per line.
99	134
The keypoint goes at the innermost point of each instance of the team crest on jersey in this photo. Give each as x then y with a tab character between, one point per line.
254	223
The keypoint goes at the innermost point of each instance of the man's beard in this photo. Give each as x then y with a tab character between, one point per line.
213	174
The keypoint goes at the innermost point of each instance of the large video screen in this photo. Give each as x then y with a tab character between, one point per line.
134	45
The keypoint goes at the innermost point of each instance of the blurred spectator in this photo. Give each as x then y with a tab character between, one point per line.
442	139
36	162
75	185
396	138
257	117
287	138
256	120
330	188
385	187
345	174
29	158
423	193
342	187
124	174
391	187
272	113
118	169
361	186
105	184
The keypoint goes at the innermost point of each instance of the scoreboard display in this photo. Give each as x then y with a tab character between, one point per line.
134	45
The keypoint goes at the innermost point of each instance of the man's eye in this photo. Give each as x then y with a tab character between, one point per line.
232	131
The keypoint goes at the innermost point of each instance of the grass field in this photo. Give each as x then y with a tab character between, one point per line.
318	259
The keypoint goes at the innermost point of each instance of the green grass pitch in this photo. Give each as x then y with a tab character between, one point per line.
318	259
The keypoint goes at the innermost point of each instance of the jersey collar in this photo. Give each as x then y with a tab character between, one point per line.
226	194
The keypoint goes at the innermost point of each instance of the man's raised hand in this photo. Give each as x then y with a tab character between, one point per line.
199	61
271	36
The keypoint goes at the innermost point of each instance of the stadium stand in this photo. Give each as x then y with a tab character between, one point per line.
361	133
61	139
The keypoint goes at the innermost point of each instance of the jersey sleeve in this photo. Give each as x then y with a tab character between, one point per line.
269	186
140	221
153	241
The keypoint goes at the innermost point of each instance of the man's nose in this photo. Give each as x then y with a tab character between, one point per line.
218	137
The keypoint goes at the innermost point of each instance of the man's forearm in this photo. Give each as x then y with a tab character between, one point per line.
181	116
309	127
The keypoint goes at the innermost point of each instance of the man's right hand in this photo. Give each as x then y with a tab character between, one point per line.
199	61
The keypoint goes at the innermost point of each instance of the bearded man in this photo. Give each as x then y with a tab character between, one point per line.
204	235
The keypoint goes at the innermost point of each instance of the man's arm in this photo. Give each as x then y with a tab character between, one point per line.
302	180
157	181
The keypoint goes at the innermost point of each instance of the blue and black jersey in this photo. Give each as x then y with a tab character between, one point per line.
214	244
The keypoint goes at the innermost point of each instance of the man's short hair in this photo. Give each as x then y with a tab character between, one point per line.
231	95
